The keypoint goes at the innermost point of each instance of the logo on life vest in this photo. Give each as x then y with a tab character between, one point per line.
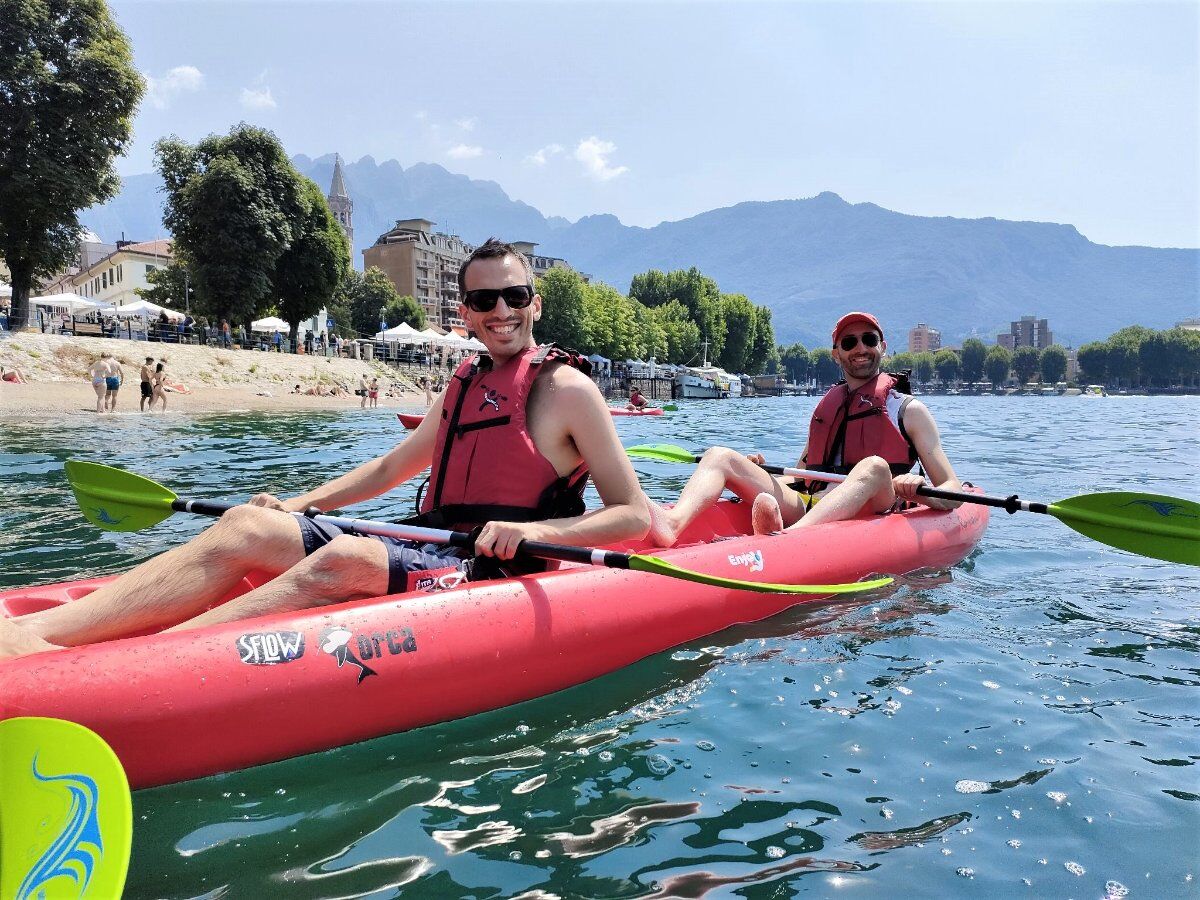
492	398
751	558
270	648
864	399
336	642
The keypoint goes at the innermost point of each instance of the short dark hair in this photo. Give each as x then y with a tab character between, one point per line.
492	248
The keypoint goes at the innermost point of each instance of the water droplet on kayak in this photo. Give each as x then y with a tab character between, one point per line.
660	765
775	852
706	746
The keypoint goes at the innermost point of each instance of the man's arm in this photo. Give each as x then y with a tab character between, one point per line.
577	404
923	432
410	457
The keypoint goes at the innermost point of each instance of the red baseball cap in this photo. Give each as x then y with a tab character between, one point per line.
855	318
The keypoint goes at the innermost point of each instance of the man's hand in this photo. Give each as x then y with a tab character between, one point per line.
906	486
269	501
757	458
500	539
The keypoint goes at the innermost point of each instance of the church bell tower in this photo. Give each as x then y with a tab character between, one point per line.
340	203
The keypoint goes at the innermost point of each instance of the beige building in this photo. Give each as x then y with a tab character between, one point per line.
1030	331
423	264
923	338
113	280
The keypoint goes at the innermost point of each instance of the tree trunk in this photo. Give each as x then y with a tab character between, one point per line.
21	314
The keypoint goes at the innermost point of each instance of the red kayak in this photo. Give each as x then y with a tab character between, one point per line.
412	420
193	703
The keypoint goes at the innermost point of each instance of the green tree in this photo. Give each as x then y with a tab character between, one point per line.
924	367
404	309
740	320
563	320
309	270
682	334
1093	362
650	335
762	355
368	298
168	285
997	364
68	93
1025	363
234	204
1053	364
900	362
795	362
1124	360
698	294
823	368
974	352
610	322
948	365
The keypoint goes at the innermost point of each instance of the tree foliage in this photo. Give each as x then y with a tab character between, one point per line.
823	367
698	294
1025	363
681	333
1093	362
740	321
368	297
762	357
948	365
68	93
974	352
997	365
309	270
168	285
1053	364
795	362
900	362
404	309
563	293
924	367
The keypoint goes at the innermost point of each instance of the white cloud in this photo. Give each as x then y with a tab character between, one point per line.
257	98
161	91
466	124
420	115
464	151
594	153
539	157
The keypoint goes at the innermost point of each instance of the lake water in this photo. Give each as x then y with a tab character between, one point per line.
1025	724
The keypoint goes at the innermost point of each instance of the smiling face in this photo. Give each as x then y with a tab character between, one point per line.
504	331
860	363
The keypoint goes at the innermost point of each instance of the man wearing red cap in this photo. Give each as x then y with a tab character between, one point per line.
868	427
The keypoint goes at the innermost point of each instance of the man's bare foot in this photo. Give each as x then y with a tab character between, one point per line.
765	517
662	531
17	641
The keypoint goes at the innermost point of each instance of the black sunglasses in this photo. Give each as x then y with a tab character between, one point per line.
518	296
850	341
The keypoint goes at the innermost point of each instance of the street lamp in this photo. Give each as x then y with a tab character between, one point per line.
383	318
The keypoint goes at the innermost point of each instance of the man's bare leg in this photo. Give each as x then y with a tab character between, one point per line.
867	487
720	469
18	641
344	569
178	584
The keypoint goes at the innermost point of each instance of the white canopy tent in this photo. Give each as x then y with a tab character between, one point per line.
401	334
146	310
73	302
432	337
270	324
5	289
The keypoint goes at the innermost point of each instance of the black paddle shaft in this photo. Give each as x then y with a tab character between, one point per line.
464	539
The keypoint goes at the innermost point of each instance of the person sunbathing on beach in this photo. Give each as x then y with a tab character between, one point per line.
868	428
534	429
13	376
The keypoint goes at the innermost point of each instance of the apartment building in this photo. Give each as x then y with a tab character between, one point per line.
1030	331
113	280
923	338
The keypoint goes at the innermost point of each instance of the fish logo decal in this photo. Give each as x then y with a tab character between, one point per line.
1162	507
104	516
336	642
78	847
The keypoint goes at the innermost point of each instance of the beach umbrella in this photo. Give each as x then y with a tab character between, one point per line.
147	310
73	302
269	324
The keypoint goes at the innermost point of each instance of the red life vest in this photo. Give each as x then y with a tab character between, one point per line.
848	426
485	464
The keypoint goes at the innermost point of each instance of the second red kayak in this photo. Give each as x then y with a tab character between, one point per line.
412	420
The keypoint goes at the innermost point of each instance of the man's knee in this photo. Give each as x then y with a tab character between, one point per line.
874	469
720	458
251	526
347	565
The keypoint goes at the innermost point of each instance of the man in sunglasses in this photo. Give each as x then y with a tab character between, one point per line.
868	427
511	443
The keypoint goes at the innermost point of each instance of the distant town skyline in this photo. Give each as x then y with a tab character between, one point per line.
1080	113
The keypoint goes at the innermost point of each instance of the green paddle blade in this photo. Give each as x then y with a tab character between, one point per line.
65	815
663	453
116	500
1150	524
662	567
670	407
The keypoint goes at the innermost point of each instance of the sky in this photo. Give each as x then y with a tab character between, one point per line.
1085	113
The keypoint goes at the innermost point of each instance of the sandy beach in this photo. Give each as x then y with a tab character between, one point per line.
216	381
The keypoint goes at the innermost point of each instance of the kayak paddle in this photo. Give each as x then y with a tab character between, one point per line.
66	819
1152	525
116	500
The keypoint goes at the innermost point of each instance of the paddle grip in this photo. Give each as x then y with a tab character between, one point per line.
585	555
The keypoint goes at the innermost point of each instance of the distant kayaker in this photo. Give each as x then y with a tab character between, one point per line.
636	401
523	427
867	427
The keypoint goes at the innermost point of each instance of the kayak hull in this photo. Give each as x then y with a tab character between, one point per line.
188	704
412	420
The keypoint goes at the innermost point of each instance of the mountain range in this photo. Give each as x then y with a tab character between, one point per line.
809	259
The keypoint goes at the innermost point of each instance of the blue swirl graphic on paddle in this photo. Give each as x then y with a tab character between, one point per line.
77	849
1164	509
104	516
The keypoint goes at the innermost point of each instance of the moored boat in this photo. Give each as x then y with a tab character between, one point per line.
186	704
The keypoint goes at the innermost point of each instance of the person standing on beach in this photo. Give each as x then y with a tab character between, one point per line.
226	335
373	392
867	428
511	463
112	383
277	340
147	376
98	372
160	385
363	390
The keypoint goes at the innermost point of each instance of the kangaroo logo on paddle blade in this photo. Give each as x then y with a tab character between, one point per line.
103	515
1162	507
